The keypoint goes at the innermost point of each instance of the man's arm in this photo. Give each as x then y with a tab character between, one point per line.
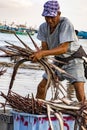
61	49
44	46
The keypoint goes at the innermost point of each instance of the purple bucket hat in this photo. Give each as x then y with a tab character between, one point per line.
51	8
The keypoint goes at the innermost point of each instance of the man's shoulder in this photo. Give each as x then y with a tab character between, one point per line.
43	25
65	19
66	22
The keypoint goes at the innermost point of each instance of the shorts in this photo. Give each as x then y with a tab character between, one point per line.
75	70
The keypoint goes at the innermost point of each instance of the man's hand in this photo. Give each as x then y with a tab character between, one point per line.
36	56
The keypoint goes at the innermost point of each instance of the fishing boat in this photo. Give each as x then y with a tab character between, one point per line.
81	34
17	30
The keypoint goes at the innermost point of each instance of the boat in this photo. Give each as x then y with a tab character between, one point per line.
81	34
19	30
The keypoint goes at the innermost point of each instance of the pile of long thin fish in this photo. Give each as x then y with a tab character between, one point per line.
37	105
31	105
24	104
2	71
24	54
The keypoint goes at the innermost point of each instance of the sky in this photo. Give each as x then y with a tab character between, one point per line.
29	12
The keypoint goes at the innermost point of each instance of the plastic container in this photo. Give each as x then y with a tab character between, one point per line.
24	121
6	121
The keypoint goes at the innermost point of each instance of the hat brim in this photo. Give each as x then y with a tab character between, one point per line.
49	14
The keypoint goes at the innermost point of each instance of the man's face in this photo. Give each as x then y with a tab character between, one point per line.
53	21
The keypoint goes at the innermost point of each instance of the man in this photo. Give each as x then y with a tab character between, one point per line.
58	38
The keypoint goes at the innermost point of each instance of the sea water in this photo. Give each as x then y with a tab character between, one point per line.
26	80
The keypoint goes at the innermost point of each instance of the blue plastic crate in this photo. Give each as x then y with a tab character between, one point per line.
24	121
